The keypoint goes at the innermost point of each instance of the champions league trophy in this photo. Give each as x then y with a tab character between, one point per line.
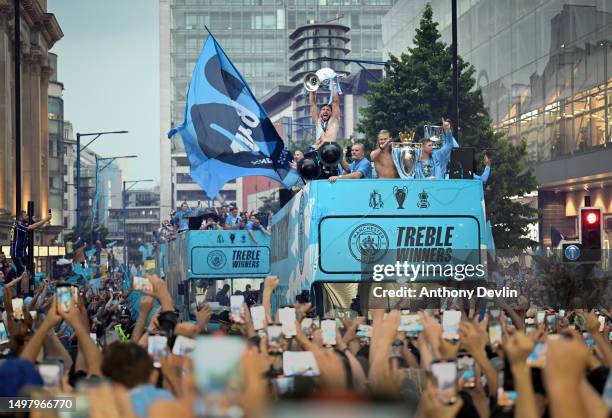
324	77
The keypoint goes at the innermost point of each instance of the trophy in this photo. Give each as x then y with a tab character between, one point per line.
407	153
400	195
323	77
435	133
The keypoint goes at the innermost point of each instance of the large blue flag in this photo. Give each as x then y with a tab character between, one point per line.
226	132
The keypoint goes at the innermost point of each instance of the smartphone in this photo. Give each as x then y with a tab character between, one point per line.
537	358
466	370
602	322
588	339
284	385
495	335
33	315
142	284
4	338
94	337
275	336
444	373
183	346
540	315
111	336
412	325
307	326
506	395
258	316
530	326
219	362
51	372
236	305
561	313
328	328
299	363
156	346
287	318
364	331
17	309
450	325
494	315
200	301
396	349
316	322
63	296
551	323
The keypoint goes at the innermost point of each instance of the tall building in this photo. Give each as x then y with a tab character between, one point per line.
543	67
69	176
57	185
256	36
142	221
39	32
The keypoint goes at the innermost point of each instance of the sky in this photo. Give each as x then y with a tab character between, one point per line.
108	61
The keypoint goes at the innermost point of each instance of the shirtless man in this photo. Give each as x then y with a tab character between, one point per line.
382	158
327	118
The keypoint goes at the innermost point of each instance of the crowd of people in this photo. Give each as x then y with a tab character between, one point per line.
122	361
213	219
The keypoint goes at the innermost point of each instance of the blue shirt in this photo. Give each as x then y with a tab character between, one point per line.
484	176
249	225
435	167
181	219
143	396
19	239
232	221
363	166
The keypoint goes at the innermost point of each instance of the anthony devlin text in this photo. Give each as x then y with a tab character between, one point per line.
444	292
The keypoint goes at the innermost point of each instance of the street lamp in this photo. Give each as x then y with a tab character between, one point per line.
132	183
96	135
95	210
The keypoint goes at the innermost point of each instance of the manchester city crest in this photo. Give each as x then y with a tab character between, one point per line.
216	260
368	243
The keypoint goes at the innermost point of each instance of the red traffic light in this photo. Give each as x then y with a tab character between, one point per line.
591	218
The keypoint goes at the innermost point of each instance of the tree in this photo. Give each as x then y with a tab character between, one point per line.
417	90
270	203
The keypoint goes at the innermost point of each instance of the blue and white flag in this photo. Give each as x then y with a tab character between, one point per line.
226	132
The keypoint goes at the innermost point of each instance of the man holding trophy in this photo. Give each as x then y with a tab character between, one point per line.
327	117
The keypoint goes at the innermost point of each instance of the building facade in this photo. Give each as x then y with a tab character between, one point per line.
57	185
256	36
544	69
142	222
39	32
69	200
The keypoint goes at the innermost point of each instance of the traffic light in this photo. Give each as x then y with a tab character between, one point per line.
591	234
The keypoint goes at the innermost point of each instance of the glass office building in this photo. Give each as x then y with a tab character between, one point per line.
544	69
255	35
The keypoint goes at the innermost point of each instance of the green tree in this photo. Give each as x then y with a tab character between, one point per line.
417	90
270	203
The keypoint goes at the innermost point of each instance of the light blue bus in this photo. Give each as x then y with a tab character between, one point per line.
332	237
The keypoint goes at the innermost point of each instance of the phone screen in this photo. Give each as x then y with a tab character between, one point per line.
364	331
551	324
183	346
450	325
284	385
537	358
494	314
17	309
236	304
466	371
63	295
495	334
275	335
142	284
258	316
51	373
444	379
506	395
307	326
299	363
328	328
4	338
602	322
540	316
156	344
219	362
94	337
287	318
530	326
396	349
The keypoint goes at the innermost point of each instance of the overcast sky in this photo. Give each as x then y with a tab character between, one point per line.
108	62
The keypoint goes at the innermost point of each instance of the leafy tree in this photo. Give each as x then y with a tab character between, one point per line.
417	90
270	203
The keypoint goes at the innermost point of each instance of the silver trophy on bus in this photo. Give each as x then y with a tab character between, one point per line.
323	77
435	133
